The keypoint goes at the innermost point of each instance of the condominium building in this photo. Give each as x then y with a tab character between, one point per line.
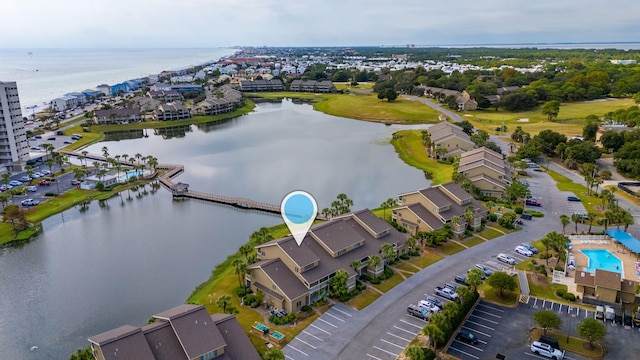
13	140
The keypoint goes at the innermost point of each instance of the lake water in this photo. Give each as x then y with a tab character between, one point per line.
96	270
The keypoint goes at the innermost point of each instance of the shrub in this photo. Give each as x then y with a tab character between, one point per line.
240	291
287	319
561	292
559	268
534	213
99	186
493	217
569	296
429	354
544	256
388	272
345	297
519	210
365	277
415	252
404	256
376	280
306	308
49	193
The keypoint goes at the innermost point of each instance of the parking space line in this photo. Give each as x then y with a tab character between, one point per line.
373	357
300	351
464	352
559	308
388	352
335	317
483	319
321	329
469	345
405	330
390	343
482	342
408	323
488	313
491	307
535	303
310	334
304	342
476	331
344	312
399	337
325	321
484	326
288	357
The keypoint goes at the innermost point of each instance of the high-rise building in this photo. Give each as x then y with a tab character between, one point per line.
14	148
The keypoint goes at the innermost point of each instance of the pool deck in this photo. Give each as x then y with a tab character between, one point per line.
627	258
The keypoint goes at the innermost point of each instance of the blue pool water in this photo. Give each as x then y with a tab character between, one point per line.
276	335
131	174
604	260
261	327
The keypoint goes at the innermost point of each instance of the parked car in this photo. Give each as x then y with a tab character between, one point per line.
446	293
44	183
45	172
429	306
76	182
573	198
15	183
523	251
32	188
628	319
506	259
487	272
25	178
636	319
29	202
467	336
526	216
36	175
618	317
51	138
461	279
451	286
530	247
599	315
415	310
532	202
549	341
434	300
546	350
582	216
609	313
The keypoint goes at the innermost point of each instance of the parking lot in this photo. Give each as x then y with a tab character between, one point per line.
397	337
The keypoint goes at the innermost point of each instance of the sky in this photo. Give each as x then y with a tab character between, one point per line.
220	23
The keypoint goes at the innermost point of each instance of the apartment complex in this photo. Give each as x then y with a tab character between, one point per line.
448	140
487	170
14	147
185	332
429	209
291	276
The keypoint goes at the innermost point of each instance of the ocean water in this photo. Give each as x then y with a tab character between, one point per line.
45	74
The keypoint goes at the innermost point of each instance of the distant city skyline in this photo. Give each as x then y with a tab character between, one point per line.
215	23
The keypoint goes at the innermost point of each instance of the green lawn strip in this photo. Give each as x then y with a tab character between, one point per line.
361	86
575	345
408	145
451	248
565	184
492	295
473	241
489	233
628	197
370	108
363	299
427	258
569	120
406	266
389	283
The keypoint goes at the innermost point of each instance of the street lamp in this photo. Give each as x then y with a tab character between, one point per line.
570	317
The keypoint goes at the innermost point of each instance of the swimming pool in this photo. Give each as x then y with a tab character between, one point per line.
129	174
604	260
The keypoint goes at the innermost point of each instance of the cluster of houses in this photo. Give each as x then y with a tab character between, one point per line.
464	100
486	169
292	276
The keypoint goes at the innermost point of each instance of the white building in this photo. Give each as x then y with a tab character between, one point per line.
14	147
64	103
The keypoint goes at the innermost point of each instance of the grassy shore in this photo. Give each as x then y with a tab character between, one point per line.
365	107
408	145
569	120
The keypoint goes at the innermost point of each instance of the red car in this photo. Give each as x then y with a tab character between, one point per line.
44	182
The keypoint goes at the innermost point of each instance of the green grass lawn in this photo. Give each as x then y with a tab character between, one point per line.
389	283
451	248
591	203
569	120
347	85
370	108
490	233
490	294
408	145
426	259
473	241
363	299
406	266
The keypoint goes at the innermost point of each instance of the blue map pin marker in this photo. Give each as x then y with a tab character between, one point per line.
299	210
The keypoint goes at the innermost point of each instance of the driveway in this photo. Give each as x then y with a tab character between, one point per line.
437	107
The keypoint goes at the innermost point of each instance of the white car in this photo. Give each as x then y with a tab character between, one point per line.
523	251
45	172
429	306
506	259
546	350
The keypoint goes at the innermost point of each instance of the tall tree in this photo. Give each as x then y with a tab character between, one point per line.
240	268
592	330
502	281
547	319
388	252
223	302
338	283
564	220
551	109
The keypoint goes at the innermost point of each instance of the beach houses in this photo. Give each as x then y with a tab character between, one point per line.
117	116
261	85
463	99
448	140
313	86
291	276
185	332
172	111
430	208
64	103
487	170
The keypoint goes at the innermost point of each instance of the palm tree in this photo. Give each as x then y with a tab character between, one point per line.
626	220
410	243
125	157
389	203
374	262
356	266
223	301
469	215
240	268
564	220
105	152
388	252
455	220
547	241
152	162
246	250
558	243
261	236
591	216
576	218
138	156
6	179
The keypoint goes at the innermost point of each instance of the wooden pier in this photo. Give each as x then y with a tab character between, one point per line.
181	190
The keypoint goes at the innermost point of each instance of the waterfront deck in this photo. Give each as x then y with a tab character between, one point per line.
181	190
